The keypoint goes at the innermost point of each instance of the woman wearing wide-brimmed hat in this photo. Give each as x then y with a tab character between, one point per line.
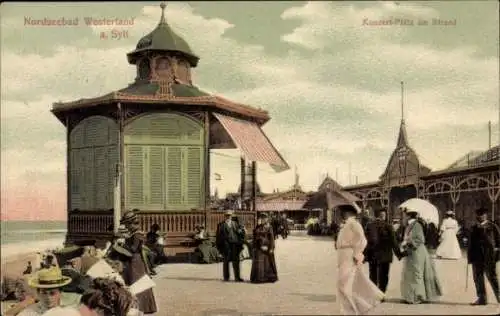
419	282
48	284
136	267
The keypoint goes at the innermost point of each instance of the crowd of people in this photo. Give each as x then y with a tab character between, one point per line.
70	284
67	287
376	241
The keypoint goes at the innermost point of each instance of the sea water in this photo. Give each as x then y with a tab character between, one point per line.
20	237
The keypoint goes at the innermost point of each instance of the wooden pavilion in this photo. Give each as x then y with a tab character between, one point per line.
152	139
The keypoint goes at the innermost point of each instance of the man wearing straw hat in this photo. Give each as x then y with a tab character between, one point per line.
229	245
48	283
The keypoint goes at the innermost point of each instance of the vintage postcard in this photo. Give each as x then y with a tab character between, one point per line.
250	158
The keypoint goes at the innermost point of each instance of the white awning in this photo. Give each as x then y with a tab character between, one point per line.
252	141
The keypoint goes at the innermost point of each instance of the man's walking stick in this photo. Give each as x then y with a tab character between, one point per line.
466	275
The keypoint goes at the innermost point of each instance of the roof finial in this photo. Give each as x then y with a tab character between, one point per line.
162	6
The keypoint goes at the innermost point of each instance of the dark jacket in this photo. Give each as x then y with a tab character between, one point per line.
226	236
483	241
431	236
381	242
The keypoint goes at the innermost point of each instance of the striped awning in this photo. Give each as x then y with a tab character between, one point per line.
278	206
252	141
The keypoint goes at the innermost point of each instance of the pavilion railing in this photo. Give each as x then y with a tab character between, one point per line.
83	225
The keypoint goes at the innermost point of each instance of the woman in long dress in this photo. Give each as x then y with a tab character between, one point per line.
419	283
263	262
449	248
135	267
357	293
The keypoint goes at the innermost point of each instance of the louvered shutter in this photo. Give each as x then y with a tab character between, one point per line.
156	178
135	176
174	177
112	165
101	171
77	181
87	168
193	176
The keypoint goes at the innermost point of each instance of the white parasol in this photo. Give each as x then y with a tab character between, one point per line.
425	209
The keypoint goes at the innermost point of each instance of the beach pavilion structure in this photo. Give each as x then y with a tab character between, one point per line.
147	146
469	183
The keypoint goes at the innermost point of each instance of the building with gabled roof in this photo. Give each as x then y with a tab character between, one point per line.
466	185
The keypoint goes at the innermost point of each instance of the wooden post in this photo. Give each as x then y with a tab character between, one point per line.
68	177
207	167
120	169
242	185
121	154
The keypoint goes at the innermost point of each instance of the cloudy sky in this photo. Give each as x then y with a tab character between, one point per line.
329	81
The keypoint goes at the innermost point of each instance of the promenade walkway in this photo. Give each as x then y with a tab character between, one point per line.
307	286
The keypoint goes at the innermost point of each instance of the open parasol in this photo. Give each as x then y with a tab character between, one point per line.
425	209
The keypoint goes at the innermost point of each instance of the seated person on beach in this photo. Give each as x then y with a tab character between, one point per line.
80	282
29	269
48	261
156	243
48	284
205	251
105	297
23	296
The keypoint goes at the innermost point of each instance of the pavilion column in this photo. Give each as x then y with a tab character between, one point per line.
254	186
120	182
68	177
455	196
207	166
243	167
493	194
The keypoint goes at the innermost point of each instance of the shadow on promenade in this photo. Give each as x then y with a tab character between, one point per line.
193	279
317	297
401	301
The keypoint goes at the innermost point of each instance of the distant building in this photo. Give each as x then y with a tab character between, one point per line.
470	182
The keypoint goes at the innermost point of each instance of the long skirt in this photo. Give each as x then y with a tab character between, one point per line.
134	270
207	253
419	282
449	248
263	267
357	294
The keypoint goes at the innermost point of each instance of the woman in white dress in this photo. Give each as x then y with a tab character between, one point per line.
357	294
449	248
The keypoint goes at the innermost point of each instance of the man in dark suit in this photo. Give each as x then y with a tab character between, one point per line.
483	254
381	244
229	242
